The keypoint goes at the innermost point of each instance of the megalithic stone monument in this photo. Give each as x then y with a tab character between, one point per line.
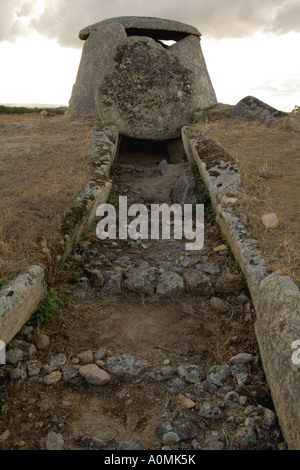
129	77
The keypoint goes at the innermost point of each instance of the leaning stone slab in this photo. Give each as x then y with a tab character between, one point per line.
19	299
252	108
96	51
277	328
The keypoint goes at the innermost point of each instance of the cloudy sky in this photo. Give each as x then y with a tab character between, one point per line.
250	46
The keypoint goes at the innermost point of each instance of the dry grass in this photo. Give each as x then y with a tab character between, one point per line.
268	159
44	165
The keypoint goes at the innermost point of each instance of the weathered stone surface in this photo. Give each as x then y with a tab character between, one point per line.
253	108
187	190
218	304
94	375
141	279
19	299
96	51
277	329
191	373
170	284
181	430
198	283
145	91
126	364
53	441
157	28
230	283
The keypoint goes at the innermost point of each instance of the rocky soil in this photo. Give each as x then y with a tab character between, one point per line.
154	350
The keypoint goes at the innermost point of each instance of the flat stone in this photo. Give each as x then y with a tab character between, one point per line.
270	221
229	283
94	375
198	283
141	279
53	441
163	374
181	430
97	438
170	284
218	304
241	358
191	373
52	378
69	371
126	364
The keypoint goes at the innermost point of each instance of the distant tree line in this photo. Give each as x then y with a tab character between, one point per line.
25	110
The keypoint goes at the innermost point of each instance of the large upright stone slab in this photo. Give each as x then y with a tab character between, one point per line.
145	91
95	54
130	78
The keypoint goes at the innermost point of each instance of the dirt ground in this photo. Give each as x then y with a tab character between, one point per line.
44	163
182	331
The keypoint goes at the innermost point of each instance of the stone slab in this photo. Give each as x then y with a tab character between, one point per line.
158	28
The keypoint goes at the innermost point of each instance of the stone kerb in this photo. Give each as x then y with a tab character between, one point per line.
276	297
20	298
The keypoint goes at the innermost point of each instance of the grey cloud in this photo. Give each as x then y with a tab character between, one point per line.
215	19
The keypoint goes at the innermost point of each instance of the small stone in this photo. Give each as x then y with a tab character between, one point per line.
245	436
19	372
185	403
232	397
112	282
53	441
69	371
170	284
208	268
206	386
211	410
219	375
270	221
181	430
129	445
5	435
163	374
97	439
213	442
100	354
241	358
229	201
126	364
198	283
42	342
242	378
164	167
33	367
269	418
220	248
141	279
52	378
94	375
55	362
187	262
175	384
191	373
282	446
219	305
229	283
86	357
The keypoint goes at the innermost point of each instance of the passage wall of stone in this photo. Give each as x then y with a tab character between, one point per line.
130	78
